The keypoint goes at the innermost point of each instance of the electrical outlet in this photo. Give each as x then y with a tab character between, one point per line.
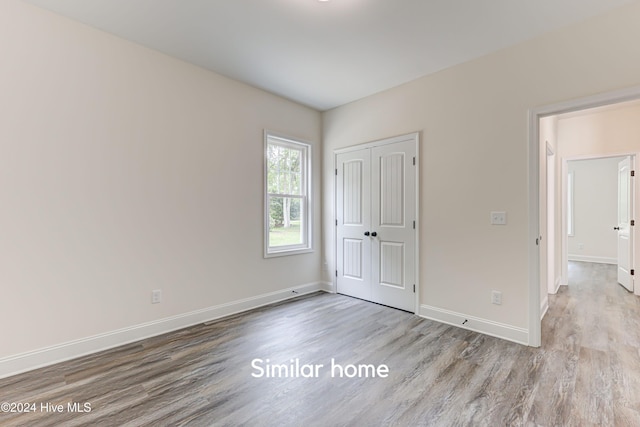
496	297
498	218
156	296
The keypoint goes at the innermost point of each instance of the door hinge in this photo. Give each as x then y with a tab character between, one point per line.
336	172
414	160
336	273
336	222
633	222
633	272
414	289
633	173
414	225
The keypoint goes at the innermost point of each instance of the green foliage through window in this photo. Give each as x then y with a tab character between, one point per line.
287	199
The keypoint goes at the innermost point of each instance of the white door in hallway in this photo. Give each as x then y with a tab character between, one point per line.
625	197
376	206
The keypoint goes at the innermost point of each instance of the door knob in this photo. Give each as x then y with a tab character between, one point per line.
616	228
374	234
366	233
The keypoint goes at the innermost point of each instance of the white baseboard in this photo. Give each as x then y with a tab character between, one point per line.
555	287
328	287
596	259
476	324
544	306
28	361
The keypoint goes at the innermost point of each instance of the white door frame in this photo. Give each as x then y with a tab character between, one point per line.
411	136
535	114
552	226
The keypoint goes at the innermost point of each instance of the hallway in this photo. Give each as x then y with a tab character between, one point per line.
593	327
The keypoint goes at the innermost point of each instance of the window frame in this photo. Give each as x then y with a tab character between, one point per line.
272	138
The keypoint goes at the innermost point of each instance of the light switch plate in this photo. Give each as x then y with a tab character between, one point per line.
499	218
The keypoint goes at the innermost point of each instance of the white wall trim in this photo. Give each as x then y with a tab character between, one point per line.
544	307
596	259
558	284
414	136
564	222
476	324
598	100
327	287
534	335
31	360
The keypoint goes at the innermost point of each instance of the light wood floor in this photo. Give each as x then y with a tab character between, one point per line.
587	373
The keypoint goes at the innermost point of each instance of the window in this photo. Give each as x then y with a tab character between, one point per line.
570	204
287	202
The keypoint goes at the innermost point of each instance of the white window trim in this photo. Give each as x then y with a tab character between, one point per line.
307	246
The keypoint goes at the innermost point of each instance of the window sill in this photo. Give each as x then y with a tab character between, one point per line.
287	252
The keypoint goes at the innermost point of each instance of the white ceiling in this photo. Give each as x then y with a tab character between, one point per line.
325	54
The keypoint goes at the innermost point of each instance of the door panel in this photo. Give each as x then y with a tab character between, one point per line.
353	214
392	174
352	266
624	224
392	264
352	191
393	208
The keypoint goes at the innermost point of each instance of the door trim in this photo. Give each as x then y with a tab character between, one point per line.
415	136
535	114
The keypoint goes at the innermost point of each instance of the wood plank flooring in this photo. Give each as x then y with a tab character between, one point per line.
587	372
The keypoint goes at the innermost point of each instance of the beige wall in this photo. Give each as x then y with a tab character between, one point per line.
601	131
474	157
123	170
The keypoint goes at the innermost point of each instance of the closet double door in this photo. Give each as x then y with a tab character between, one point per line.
375	212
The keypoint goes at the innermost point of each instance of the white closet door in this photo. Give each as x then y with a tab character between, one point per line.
375	211
354	219
393	188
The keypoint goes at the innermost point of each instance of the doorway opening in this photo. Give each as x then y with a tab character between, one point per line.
597	210
548	221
